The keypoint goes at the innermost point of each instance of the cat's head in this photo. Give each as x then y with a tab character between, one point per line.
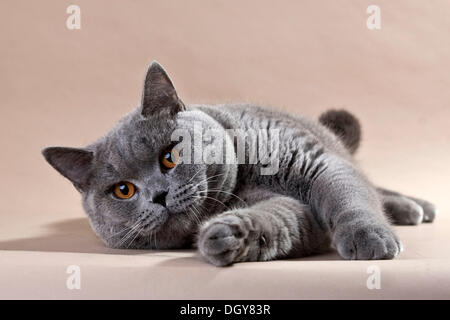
135	191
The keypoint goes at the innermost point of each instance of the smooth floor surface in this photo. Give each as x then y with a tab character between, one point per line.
36	267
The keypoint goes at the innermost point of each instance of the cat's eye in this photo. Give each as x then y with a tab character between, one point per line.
124	190
169	159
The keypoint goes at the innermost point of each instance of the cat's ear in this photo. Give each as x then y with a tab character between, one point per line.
159	95
72	163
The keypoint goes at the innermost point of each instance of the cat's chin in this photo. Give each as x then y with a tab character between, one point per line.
154	223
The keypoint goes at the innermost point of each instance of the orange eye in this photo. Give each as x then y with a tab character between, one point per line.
124	190
170	159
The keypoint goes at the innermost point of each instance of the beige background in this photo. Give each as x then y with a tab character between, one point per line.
67	87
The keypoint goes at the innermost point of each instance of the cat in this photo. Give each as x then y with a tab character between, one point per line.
137	194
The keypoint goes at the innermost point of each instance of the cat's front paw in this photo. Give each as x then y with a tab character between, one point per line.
222	240
361	241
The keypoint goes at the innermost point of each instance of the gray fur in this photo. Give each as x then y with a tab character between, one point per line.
345	126
319	197
405	210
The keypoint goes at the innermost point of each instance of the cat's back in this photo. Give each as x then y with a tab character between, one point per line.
248	116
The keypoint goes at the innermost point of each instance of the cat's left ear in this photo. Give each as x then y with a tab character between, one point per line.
159	95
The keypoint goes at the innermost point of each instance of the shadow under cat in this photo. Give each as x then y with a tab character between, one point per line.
72	235
76	236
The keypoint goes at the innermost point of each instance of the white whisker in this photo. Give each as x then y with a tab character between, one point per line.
226	192
206	197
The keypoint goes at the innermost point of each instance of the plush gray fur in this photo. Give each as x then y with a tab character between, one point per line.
318	199
345	126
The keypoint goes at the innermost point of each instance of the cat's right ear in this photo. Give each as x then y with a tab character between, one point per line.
74	164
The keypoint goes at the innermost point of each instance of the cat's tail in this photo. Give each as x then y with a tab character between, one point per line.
345	125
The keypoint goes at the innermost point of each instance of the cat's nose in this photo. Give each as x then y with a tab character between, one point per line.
160	198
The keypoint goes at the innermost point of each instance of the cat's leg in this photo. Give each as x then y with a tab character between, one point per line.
405	210
343	200
402	211
275	228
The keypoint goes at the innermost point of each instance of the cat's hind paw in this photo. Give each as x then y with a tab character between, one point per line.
406	210
403	211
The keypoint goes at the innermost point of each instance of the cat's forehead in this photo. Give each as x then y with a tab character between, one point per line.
135	139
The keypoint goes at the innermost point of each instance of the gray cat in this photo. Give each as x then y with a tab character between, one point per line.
138	194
